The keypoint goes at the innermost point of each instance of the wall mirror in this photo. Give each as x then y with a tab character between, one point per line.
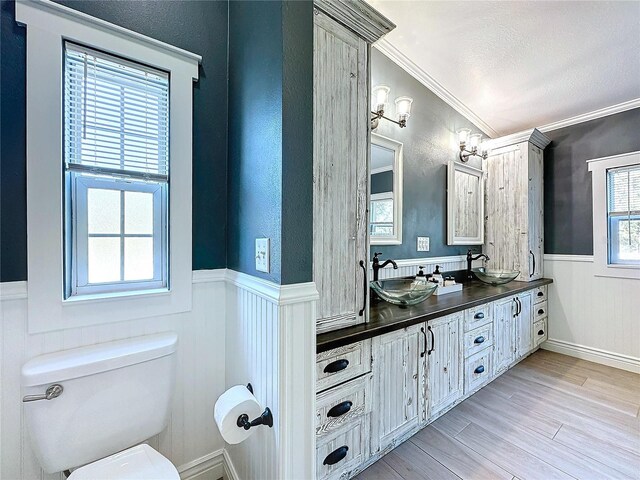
465	205
385	203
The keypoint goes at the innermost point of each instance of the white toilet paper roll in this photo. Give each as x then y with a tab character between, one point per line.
229	406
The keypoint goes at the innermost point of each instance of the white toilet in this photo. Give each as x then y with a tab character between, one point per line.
114	396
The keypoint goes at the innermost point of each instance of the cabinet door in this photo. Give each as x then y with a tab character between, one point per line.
504	334
399	385
524	325
444	363
535	221
506	208
339	174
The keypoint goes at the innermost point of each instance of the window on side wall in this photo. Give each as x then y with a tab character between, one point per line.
116	116
616	215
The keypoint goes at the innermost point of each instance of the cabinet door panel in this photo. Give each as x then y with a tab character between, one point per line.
444	366
399	385
524	326
504	334
339	174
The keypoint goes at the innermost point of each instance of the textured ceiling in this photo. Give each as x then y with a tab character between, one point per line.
523	64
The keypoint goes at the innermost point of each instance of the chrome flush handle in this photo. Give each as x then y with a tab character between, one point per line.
53	391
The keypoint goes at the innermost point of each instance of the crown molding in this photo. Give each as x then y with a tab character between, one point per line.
532	135
395	55
594	115
358	16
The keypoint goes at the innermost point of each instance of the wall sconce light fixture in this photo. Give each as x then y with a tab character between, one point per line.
471	145
380	98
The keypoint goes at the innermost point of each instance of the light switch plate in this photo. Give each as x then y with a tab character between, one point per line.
262	254
423	244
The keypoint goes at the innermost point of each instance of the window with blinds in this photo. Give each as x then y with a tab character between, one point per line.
623	214
116	145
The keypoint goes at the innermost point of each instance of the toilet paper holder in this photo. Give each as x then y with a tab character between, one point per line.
265	419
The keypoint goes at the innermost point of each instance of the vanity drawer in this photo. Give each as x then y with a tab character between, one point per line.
477	316
540	294
539	311
478	339
341	364
340	405
477	370
540	333
342	451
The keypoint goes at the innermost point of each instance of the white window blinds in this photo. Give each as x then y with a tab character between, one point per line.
623	188
116	115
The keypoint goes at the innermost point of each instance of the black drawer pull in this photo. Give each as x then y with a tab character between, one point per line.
340	409
540	332
335	456
336	366
479	369
479	339
540	294
540	311
479	315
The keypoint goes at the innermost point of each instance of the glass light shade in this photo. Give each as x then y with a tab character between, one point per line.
485	147
474	141
379	97
403	107
463	135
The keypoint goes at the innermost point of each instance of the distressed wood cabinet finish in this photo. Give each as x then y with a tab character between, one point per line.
444	363
514	223
504	334
340	161
524	326
399	385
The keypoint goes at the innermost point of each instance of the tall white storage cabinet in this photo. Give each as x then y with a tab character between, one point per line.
514	208
343	32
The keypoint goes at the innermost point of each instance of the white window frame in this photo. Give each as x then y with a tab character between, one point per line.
398	183
599	168
78	274
48	26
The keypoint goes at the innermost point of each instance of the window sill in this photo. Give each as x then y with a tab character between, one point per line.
108	297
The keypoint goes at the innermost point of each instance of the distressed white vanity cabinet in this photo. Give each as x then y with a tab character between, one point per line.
444	362
343	32
514	222
513	330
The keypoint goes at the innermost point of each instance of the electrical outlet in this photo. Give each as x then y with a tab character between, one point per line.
423	244
262	255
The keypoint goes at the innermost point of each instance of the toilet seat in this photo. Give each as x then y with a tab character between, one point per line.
136	463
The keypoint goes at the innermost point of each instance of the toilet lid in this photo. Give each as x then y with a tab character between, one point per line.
137	463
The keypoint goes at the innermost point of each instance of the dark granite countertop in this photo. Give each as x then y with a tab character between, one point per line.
385	317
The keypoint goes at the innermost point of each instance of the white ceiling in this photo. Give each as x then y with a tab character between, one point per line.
521	64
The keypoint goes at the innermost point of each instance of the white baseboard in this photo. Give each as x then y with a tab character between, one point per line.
617	360
209	467
229	469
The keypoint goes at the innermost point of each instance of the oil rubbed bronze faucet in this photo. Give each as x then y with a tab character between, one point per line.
471	258
377	265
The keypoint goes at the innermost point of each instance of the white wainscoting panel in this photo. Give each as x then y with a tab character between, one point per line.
270	343
191	434
595	318
409	266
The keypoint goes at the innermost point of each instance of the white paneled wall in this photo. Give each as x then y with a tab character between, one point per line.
191	434
270	342
409	266
591	317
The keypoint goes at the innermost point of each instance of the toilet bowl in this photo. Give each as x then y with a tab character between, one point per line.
137	463
109	399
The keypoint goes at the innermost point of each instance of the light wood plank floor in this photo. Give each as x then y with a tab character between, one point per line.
550	417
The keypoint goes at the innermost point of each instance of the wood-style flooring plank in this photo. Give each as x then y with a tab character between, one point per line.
604	451
560	456
530	372
539	422
506	455
451	424
412	463
619	390
457	457
380	470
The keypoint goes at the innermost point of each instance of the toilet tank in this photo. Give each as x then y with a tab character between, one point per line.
115	395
